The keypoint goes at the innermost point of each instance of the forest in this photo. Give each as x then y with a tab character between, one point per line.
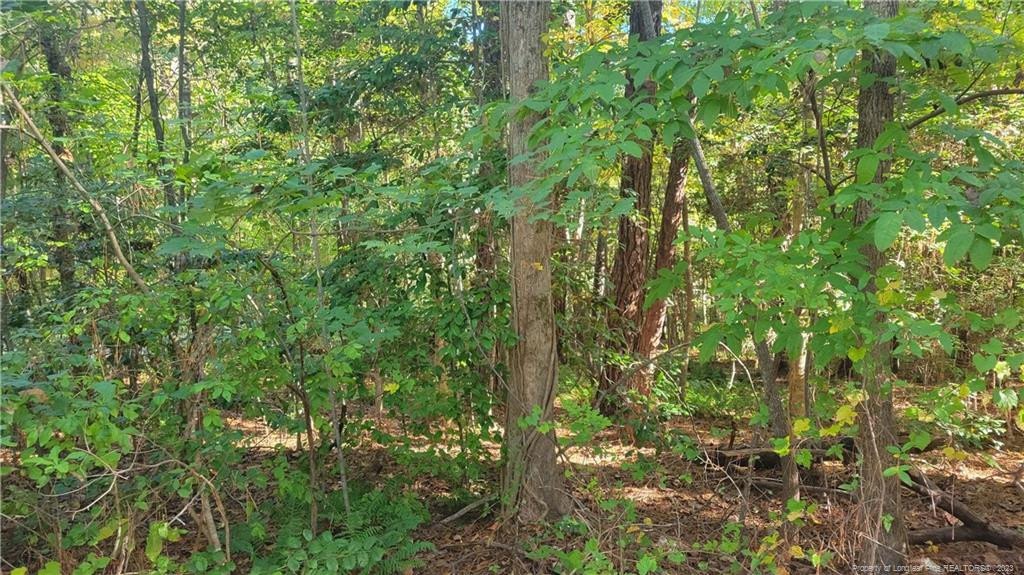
592	287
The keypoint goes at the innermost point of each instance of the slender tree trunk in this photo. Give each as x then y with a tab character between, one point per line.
880	515
60	124
531	481
487	49
145	41
600	262
653	325
629	269
767	362
690	312
184	87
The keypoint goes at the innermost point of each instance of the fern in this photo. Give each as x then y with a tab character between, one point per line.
373	540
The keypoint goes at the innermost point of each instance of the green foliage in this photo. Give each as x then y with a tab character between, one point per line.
374	539
351	255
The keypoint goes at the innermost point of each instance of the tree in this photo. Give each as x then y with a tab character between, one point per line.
673	211
629	268
882	531
531	481
60	124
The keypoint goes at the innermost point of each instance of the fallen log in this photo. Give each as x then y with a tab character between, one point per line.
974	527
775	484
759	457
998	536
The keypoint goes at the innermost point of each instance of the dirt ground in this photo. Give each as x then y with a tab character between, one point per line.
681	504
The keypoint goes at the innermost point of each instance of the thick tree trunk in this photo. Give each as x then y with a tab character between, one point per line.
532	481
629	269
60	125
880	516
653	325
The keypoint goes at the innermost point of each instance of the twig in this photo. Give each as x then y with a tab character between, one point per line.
465	510
964	100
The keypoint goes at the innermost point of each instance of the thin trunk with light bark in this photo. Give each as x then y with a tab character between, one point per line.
532	483
880	516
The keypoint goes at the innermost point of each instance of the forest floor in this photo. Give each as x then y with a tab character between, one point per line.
682	505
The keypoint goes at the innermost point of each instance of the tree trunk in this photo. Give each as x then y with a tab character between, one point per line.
60	124
880	518
531	481
487	50
653	325
145	40
600	262
629	269
690	313
184	87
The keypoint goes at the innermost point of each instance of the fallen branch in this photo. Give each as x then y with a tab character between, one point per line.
998	536
761	457
974	527
775	484
465	510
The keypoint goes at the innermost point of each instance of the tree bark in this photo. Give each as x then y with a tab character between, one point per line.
184	87
690	312
60	125
629	269
145	41
531	481
487	49
880	518
653	325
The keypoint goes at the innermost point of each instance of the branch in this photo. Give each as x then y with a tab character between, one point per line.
38	136
964	100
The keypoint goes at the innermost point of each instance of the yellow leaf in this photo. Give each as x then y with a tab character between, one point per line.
632	529
796	551
647	521
391	387
846	414
801	425
537	266
954	454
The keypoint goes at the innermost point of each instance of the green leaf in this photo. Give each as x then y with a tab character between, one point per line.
983	362
123	336
887	229
956	42
1005	398
845	56
919	440
856	353
51	568
701	85
646	564
867	167
154	542
957	244
803	458
632	148
981	253
875	33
